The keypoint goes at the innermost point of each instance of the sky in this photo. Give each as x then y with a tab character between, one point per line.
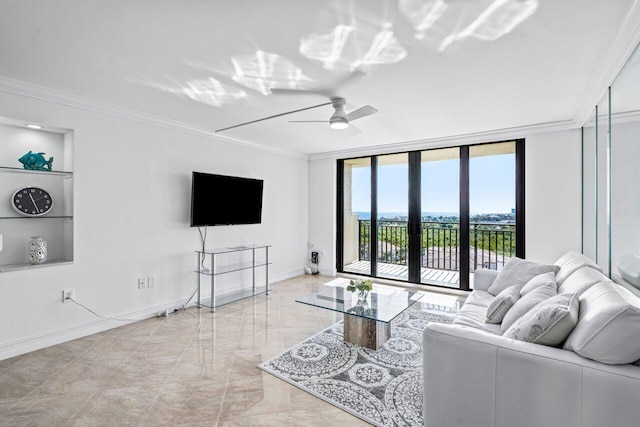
491	178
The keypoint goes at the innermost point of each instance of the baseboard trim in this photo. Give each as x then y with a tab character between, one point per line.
94	326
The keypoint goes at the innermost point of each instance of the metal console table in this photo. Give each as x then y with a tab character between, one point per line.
215	270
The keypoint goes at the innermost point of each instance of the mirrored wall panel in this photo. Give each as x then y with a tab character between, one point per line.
611	176
625	163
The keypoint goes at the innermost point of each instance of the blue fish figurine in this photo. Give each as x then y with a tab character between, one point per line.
36	161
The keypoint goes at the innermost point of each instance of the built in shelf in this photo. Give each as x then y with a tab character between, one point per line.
31	171
26	265
31	218
57	225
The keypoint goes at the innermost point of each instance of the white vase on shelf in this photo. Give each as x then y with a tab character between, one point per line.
37	250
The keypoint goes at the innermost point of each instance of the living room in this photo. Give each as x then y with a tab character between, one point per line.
117	99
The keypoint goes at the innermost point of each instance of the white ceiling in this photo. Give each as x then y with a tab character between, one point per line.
434	69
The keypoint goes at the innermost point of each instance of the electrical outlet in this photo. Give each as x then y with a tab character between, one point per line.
67	294
142	282
151	281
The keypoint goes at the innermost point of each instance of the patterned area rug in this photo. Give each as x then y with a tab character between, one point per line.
383	387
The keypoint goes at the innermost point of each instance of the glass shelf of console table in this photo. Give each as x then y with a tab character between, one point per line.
217	270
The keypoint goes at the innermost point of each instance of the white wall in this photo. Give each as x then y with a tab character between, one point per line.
553	194
132	193
553	198
322	213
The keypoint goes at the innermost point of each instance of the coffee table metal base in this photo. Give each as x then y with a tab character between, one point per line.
365	332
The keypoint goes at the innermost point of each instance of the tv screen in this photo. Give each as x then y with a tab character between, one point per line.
225	200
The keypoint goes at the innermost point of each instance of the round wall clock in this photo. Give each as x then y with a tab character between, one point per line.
32	201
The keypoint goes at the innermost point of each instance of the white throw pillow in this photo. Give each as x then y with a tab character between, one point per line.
518	271
527	302
543	279
501	304
609	326
581	280
548	323
571	262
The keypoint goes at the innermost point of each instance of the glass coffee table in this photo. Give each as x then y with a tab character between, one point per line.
366	323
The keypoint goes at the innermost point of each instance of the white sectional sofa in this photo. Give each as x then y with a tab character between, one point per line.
474	376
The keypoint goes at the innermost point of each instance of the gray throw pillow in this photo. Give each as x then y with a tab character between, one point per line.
544	279
501	304
527	302
548	323
518	271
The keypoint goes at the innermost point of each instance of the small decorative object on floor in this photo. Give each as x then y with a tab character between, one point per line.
363	286
37	250
36	161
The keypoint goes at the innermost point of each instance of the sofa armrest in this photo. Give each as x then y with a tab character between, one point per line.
475	378
483	278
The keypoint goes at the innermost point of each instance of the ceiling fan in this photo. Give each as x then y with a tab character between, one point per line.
338	120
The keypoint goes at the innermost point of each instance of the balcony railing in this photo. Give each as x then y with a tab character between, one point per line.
490	244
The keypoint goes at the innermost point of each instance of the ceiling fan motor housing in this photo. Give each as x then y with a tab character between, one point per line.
338	120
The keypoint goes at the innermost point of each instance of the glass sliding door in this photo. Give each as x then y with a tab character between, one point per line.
356	216
440	217
432	216
492	205
392	202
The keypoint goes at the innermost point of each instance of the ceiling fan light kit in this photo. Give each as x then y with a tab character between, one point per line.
338	123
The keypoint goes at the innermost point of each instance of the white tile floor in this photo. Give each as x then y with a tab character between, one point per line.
193	368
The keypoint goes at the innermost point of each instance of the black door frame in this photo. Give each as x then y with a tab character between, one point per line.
414	227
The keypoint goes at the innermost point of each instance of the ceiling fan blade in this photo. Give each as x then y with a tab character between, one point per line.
308	121
274	116
353	130
326	91
349	79
367	110
288	91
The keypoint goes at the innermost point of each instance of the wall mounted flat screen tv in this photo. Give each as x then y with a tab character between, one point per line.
225	200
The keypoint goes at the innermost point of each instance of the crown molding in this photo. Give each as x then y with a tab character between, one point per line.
616	118
60	97
622	47
448	141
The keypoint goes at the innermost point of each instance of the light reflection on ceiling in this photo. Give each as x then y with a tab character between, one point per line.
263	71
326	48
384	49
211	91
341	47
500	18
360	41
207	90
422	14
